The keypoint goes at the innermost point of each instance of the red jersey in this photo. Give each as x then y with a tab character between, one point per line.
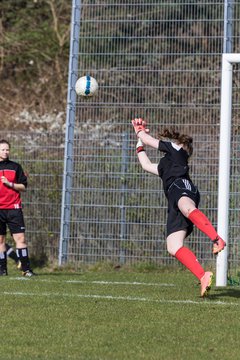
10	198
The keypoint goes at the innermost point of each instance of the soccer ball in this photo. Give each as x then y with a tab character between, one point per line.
86	86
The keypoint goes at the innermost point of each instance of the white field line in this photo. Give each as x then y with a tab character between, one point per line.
134	283
121	298
120	283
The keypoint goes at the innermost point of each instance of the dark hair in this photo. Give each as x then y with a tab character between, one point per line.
5	142
179	138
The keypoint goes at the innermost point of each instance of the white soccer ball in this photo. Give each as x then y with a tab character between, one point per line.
86	86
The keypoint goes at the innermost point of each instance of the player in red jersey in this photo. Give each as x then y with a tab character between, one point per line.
182	195
12	182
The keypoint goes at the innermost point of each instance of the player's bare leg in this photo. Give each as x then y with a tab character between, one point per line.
200	220
188	259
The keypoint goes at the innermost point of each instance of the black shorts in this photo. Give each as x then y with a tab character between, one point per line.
176	220
13	218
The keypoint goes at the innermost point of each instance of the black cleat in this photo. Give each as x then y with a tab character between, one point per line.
3	272
28	273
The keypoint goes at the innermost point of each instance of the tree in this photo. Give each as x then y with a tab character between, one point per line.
34	48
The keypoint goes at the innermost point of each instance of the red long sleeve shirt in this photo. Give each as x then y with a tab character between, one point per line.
10	198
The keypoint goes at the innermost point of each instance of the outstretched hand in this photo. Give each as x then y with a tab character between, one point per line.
139	125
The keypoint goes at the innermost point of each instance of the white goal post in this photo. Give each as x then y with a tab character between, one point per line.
224	163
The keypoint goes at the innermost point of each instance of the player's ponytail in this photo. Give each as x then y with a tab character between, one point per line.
175	136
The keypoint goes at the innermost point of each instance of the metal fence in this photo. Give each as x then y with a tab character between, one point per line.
156	60
160	61
41	156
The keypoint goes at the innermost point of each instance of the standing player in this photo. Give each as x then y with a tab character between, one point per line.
12	182
182	195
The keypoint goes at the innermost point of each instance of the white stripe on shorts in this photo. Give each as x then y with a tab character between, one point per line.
187	184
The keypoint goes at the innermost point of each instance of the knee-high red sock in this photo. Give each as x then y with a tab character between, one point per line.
188	259
203	223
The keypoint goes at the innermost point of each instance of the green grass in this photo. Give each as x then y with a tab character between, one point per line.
116	315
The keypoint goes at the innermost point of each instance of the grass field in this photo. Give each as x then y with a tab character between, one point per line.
116	315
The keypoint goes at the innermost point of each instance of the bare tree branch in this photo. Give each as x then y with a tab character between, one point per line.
61	38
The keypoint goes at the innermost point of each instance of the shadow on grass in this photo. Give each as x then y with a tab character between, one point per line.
60	273
225	292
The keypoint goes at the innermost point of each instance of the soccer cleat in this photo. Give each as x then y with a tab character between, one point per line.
206	282
28	273
218	245
3	272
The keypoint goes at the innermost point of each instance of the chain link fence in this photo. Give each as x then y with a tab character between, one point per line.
41	156
160	61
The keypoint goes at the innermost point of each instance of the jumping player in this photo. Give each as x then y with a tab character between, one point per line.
12	182
182	195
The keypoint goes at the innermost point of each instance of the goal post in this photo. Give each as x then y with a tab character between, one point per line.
224	163
69	136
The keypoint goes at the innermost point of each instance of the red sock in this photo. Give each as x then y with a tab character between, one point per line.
203	223
188	259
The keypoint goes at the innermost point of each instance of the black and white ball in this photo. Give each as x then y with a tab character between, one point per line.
86	86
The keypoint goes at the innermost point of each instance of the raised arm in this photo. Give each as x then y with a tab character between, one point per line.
142	133
144	160
148	139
